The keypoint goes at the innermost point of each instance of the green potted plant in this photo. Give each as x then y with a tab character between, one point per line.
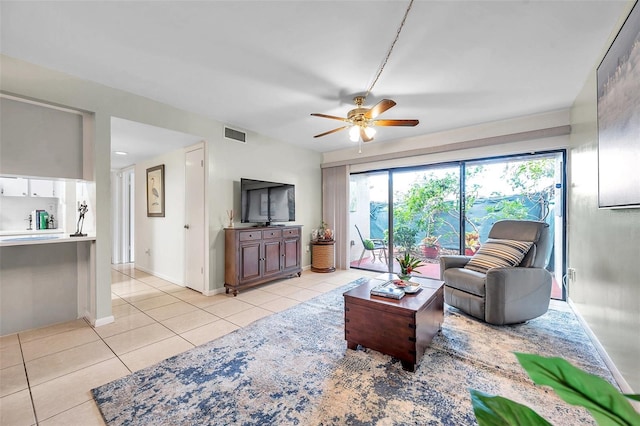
408	265
405	237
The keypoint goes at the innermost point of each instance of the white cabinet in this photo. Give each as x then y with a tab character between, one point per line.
21	187
14	187
42	188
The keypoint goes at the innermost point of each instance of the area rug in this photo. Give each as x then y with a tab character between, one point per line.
293	368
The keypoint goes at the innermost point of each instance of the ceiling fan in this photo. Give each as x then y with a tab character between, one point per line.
361	120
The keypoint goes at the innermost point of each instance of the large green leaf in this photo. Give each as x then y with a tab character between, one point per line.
497	411
605	403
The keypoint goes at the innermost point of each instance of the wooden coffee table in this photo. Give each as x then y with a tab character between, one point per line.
401	328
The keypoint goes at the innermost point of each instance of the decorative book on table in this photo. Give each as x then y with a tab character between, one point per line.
388	289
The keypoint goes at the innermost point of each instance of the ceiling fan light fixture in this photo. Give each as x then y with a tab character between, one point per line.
354	133
370	132
360	119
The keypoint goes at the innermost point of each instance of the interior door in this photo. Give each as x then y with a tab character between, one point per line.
195	220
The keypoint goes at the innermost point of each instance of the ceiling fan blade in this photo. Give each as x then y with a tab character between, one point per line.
379	108
330	131
364	136
333	117
410	123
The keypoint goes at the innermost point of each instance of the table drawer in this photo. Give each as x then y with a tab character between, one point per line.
293	232
250	235
272	233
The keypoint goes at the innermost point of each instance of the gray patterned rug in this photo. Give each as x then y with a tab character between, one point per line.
293	368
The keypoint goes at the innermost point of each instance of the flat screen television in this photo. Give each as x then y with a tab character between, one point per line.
265	202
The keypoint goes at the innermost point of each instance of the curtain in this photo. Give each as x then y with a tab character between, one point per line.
335	208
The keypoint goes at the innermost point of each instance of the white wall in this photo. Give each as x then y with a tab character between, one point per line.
228	161
603	247
159	247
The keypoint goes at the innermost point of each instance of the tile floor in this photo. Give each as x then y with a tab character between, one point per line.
46	374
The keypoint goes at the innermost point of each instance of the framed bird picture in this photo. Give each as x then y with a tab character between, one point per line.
155	191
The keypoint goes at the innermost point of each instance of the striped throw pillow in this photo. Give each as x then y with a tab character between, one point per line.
496	253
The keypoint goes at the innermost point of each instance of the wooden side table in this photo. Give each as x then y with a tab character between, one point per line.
401	328
322	256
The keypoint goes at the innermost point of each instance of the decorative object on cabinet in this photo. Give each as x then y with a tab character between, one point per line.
155	191
230	216
323	233
258	255
82	210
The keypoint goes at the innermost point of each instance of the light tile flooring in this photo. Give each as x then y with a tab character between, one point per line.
46	374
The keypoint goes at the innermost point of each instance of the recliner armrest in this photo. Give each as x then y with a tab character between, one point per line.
516	294
452	261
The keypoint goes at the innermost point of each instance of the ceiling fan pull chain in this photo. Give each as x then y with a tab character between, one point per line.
361	120
390	50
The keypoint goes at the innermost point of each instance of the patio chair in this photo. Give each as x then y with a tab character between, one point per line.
374	245
505	282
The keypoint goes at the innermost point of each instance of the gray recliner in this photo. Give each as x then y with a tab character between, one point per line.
504	295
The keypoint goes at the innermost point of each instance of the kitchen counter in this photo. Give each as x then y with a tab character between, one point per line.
40	238
27	232
47	278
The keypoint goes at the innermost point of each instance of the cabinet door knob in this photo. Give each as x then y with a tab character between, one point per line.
186	227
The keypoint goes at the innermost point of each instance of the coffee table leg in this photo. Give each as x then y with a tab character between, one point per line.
408	366
352	345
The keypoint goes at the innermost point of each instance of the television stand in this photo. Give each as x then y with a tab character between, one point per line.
261	254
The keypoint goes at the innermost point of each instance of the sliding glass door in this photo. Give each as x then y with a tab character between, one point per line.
369	221
444	209
524	187
426	215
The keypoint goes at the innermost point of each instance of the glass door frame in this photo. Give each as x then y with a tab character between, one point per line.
462	165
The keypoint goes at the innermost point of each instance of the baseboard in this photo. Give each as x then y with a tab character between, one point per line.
622	383
155	274
103	321
214	291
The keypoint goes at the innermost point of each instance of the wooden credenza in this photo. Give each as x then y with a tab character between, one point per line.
261	254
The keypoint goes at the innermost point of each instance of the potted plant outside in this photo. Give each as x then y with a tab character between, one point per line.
471	243
430	246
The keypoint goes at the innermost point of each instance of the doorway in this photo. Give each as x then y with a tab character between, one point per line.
124	216
136	147
195	219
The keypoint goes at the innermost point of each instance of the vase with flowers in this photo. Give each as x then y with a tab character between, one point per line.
323	233
408	265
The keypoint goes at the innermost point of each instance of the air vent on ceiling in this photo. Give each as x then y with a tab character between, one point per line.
235	135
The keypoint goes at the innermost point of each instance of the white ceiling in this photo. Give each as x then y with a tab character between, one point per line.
264	66
142	141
